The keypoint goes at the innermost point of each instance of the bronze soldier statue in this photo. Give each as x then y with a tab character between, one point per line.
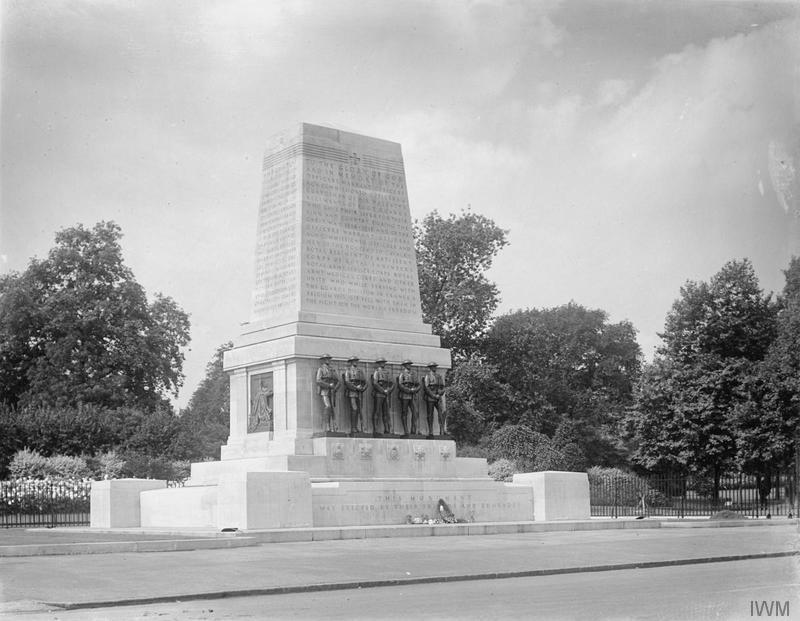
382	387
434	389
327	384
409	386
355	385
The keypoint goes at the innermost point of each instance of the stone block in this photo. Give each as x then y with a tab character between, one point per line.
558	495
261	500
183	507
116	503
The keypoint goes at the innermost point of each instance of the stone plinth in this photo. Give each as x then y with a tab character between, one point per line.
181	507
558	495
359	458
115	503
254	500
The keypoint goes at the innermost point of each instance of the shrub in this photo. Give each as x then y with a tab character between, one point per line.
703	485
68	467
37	496
517	443
28	464
107	465
473	450
609	486
502	469
574	457
548	457
142	466
727	515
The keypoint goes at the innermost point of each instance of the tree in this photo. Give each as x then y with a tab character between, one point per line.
715	337
205	422
729	317
567	366
766	420
453	255
682	415
76	328
476	400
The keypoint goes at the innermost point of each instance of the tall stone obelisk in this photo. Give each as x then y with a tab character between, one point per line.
335	273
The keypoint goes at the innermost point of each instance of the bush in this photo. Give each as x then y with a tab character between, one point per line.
141	466
609	486
68	467
106	465
517	443
473	450
28	464
574	459
702	485
502	470
37	496
548	457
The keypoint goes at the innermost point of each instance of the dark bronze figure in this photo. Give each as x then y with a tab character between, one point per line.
261	410
409	386
382	387
355	385
327	384
434	389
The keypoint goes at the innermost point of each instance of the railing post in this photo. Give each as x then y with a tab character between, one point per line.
683	497
614	488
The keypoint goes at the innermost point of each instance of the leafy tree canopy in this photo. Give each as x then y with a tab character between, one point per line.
205	423
76	328
730	317
567	364
766	421
691	404
453	255
476	400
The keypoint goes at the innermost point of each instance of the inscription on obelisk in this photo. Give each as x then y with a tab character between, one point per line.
334	229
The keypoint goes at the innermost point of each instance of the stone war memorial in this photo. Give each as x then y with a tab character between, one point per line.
336	413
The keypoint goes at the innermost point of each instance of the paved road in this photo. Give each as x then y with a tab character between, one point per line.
88	579
708	591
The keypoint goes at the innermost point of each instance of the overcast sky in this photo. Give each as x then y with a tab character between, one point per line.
627	146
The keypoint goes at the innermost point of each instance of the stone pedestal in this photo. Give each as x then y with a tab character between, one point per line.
254	500
115	503
558	495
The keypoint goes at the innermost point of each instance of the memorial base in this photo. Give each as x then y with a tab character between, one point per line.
347	482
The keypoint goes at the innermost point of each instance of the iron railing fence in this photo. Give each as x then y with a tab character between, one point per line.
44	502
681	496
30	503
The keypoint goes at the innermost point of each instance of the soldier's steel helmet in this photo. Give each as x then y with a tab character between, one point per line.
380	360
432	364
325	357
406	362
352	359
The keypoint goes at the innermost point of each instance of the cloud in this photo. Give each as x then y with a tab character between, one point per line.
613	92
